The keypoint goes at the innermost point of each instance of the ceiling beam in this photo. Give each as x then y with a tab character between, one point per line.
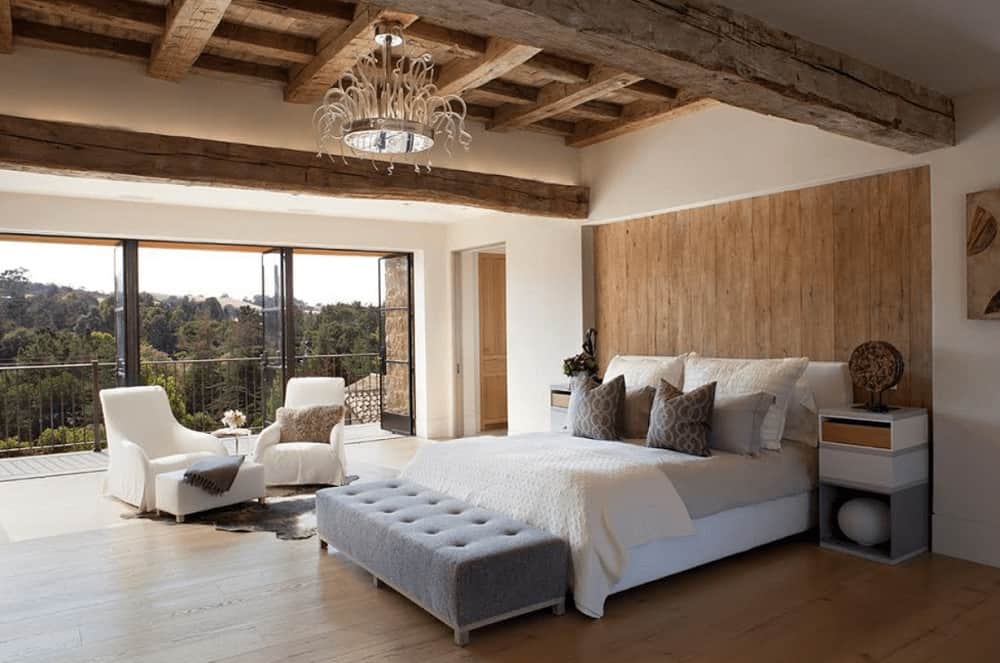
337	52
148	20
634	116
500	57
190	24
721	54
73	149
75	41
652	90
6	28
559	69
458	43
506	92
558	98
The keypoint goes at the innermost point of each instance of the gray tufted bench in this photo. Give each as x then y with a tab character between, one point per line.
467	566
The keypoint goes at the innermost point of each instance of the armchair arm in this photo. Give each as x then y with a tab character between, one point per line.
189	441
337	448
129	474
268	437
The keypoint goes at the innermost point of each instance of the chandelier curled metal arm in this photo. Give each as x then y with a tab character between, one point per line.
388	110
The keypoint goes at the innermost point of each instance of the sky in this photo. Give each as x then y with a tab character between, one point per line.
317	279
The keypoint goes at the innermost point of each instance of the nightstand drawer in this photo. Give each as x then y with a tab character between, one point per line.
560	399
872	469
861	433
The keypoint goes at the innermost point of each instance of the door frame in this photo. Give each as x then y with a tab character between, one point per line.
465	332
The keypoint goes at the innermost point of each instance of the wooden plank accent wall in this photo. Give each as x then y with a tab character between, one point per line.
809	273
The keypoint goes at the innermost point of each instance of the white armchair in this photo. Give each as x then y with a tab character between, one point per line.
303	463
145	440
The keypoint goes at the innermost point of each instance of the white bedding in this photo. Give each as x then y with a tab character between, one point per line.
601	497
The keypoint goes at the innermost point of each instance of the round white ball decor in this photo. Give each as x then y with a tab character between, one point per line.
865	521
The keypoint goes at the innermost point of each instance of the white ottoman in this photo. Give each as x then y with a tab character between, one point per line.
176	497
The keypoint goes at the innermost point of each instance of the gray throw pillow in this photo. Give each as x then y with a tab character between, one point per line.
635	415
681	422
736	422
308	424
597	410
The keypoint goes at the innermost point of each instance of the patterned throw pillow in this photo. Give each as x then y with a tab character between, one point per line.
596	411
681	422
309	424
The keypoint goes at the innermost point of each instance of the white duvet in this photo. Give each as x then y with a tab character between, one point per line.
601	497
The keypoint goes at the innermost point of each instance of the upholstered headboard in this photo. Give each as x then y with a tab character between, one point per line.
830	382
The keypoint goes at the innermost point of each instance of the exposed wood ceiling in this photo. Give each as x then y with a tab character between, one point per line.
588	70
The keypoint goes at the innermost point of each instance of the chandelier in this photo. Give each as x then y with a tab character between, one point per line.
388	110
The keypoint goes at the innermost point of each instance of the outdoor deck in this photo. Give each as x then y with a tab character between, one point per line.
80	462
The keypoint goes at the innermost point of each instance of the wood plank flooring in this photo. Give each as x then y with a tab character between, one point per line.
29	467
156	592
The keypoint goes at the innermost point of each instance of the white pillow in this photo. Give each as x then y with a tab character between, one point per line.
736	376
646	371
801	422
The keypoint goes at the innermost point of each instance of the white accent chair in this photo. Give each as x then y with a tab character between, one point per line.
145	440
305	463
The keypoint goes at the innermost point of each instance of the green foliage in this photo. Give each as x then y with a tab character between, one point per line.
175	395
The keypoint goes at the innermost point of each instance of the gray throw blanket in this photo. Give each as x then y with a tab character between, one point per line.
214	475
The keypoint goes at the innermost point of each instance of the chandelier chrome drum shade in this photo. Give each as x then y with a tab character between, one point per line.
387	108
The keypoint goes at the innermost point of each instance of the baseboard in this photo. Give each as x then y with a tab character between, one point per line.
973	540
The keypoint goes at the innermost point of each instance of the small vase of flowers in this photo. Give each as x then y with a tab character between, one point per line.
579	364
233	419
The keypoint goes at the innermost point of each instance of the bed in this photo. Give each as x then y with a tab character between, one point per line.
632	514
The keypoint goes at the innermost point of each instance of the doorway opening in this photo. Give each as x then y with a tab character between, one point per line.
482	340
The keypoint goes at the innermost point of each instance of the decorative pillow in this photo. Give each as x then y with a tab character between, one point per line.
736	422
597	411
309	424
681	422
635	415
646	371
801	423
739	376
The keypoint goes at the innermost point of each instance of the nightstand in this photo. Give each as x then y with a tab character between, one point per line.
880	455
558	406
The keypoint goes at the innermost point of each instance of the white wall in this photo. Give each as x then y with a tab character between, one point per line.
544	304
727	153
53	85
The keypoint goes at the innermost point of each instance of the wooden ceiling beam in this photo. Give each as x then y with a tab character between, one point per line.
73	149
75	41
458	43
190	24
337	52
301	10
558	98
602	111
149	20
635	116
6	28
712	51
500	57
560	70
652	90
507	92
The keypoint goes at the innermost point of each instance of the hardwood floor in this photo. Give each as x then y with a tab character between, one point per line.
187	593
151	591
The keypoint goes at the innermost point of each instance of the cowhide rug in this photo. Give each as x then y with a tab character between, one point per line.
290	512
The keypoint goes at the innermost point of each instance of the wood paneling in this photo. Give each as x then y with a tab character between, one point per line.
810	273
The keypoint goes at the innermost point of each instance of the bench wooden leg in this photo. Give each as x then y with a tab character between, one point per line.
461	637
180	519
559	608
262	501
376	582
322	544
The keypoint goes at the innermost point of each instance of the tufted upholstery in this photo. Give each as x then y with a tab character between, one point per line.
461	563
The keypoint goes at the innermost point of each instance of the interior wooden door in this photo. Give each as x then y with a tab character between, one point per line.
492	341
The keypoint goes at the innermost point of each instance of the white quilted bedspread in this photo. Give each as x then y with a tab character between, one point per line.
601	497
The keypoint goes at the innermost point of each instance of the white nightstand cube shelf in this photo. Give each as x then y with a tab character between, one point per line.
558	406
880	455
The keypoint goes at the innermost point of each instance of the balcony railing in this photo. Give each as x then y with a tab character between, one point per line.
50	408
